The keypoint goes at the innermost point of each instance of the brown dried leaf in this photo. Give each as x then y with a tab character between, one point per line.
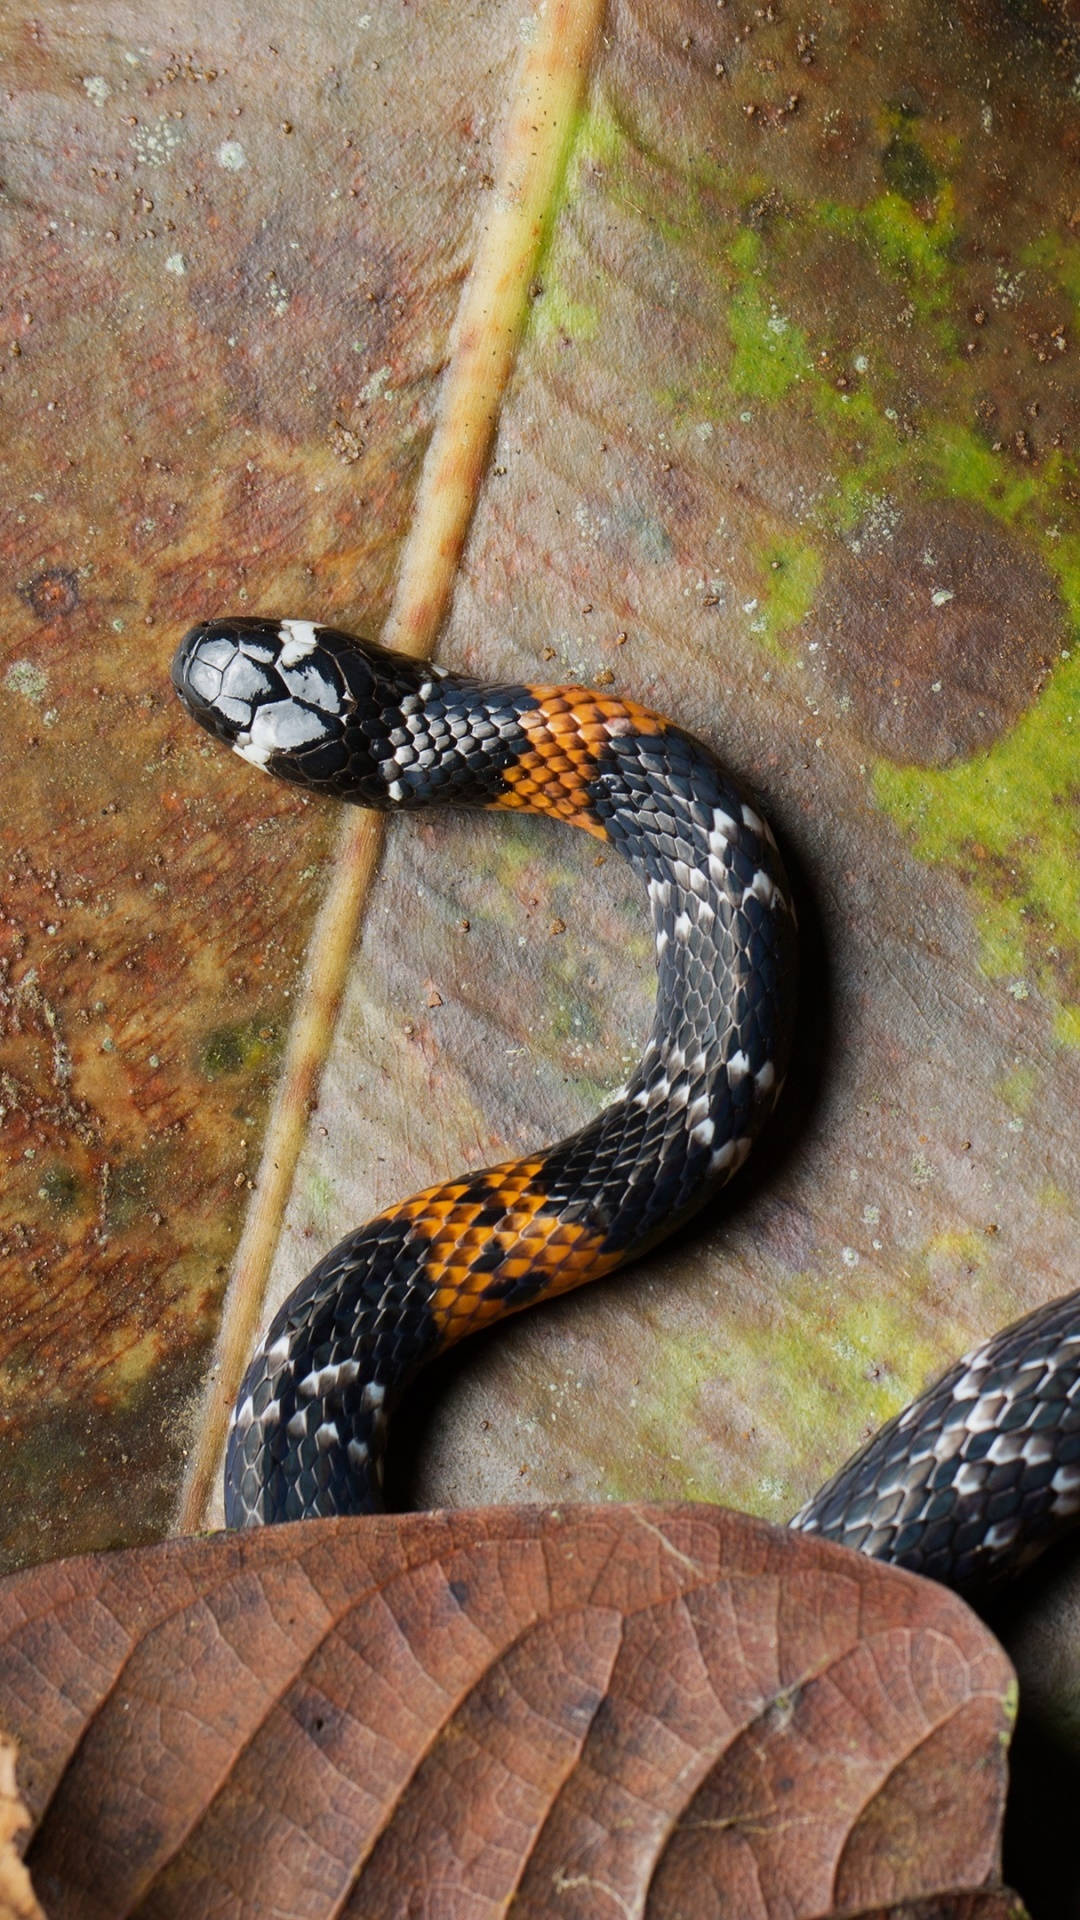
610	1710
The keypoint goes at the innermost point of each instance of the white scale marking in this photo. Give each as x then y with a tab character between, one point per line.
324	1380
985	1413
255	756
1003	1534
971	1477
311	685
298	640
948	1443
652	1096
281	727
762	888
731	1155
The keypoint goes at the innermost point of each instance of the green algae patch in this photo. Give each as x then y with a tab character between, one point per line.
1008	821
913	251
600	140
666	1405
1060	259
320	1197
955	1251
770	354
556	316
791	571
1017	1089
952	460
594	142
238	1048
61	1188
856	1358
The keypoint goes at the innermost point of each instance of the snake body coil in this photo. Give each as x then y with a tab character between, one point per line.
940	1488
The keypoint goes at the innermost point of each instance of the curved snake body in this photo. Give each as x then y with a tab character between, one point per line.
986	1465
349	718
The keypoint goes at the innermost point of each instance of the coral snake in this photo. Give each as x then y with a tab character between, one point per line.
975	1476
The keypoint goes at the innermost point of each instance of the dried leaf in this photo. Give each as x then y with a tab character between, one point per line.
661	1711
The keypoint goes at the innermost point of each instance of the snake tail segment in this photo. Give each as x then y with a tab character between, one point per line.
346	717
980	1474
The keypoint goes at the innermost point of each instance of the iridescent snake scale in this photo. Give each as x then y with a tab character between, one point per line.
977	1474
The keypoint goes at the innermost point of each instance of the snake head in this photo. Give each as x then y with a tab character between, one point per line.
347	716
264	687
293	697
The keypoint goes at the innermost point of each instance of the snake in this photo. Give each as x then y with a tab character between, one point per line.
970	1481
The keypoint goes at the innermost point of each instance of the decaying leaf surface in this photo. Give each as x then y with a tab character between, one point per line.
746	432
665	1712
222	335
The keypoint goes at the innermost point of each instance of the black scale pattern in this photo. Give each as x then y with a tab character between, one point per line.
347	717
973	1478
725	969
308	1421
980	1473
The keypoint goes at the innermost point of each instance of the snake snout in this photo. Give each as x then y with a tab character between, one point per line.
217	679
267	688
